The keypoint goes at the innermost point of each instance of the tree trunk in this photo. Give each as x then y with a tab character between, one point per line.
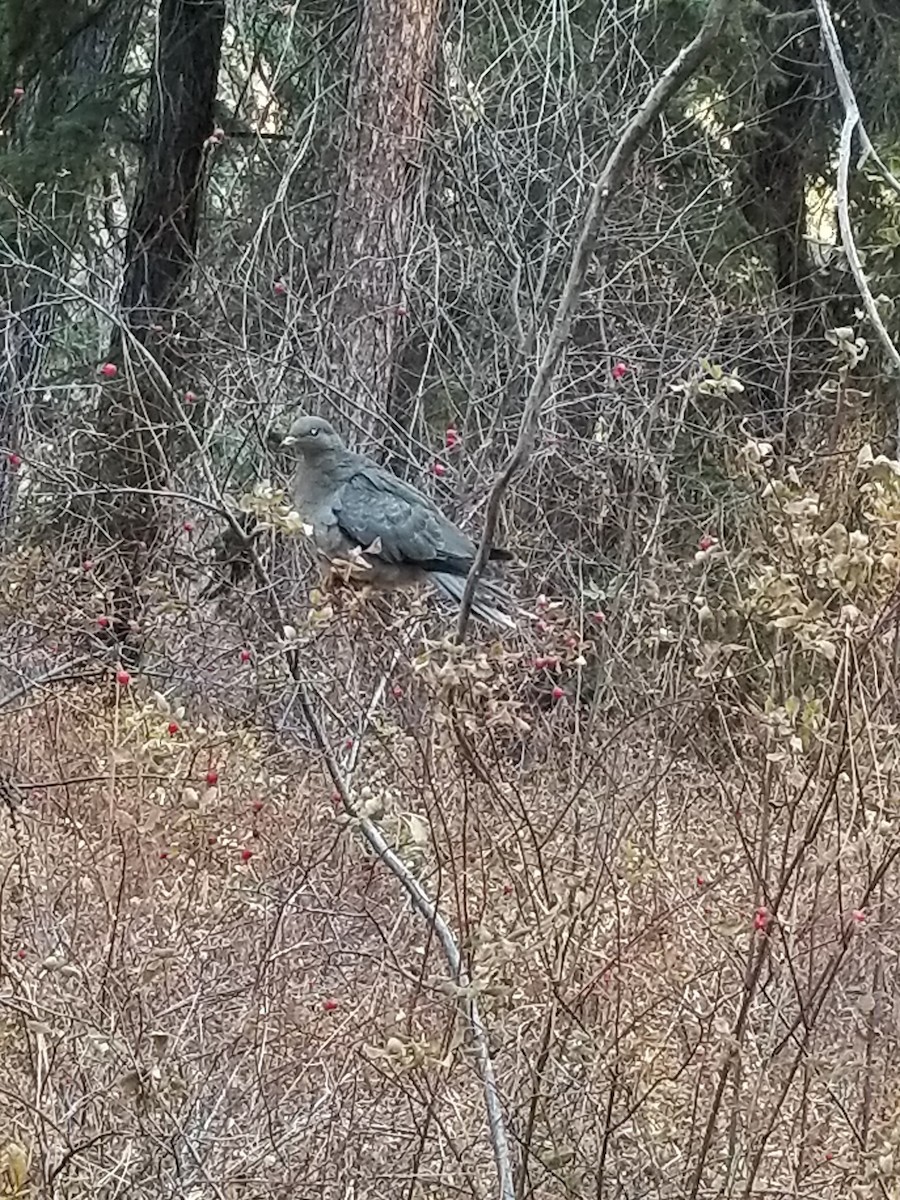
774	148
379	165
139	425
162	234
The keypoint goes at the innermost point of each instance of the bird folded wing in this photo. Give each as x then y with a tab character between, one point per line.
405	526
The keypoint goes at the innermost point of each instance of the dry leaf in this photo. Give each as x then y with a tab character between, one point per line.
418	830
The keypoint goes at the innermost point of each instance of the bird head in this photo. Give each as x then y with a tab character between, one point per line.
312	437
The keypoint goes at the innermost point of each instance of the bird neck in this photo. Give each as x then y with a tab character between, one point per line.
318	474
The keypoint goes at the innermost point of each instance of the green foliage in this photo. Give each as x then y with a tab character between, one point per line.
54	50
32	32
64	149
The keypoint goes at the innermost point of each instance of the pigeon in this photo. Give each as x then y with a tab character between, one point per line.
380	529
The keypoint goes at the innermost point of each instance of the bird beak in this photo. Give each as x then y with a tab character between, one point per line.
289	440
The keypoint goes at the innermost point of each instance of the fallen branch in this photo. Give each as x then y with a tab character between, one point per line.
853	124
679	71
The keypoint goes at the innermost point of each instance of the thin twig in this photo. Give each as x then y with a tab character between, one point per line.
678	72
418	896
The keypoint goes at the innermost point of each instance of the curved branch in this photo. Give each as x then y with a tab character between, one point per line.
679	71
853	124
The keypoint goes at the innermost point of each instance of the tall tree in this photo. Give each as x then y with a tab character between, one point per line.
775	143
380	153
139	423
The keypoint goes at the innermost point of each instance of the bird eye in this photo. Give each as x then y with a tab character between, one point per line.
314	432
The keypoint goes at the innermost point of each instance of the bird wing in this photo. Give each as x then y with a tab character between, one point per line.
373	506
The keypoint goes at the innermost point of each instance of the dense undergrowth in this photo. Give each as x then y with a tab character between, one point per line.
663	828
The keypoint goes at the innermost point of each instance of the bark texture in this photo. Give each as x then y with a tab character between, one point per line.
139	425
160	249
380	160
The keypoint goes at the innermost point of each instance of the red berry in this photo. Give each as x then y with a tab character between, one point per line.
859	915
828	1156
164	854
187	526
761	919
700	881
122	678
402	310
18	92
620	370
706	542
439	469
336	797
21	953
330	1004
451	438
173	728
190	397
257	805
212	777
14	461
87	565
598	617
211	840
109	370
397	691
280	288
103	622
558	693
246	855
245	656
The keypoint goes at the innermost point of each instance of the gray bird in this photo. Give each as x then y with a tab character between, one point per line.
357	509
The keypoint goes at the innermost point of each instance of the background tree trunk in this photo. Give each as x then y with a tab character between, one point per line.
775	148
380	157
138	425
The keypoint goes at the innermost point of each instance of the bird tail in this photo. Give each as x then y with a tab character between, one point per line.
485	602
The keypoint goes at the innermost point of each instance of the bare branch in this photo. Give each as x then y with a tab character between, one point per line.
419	897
